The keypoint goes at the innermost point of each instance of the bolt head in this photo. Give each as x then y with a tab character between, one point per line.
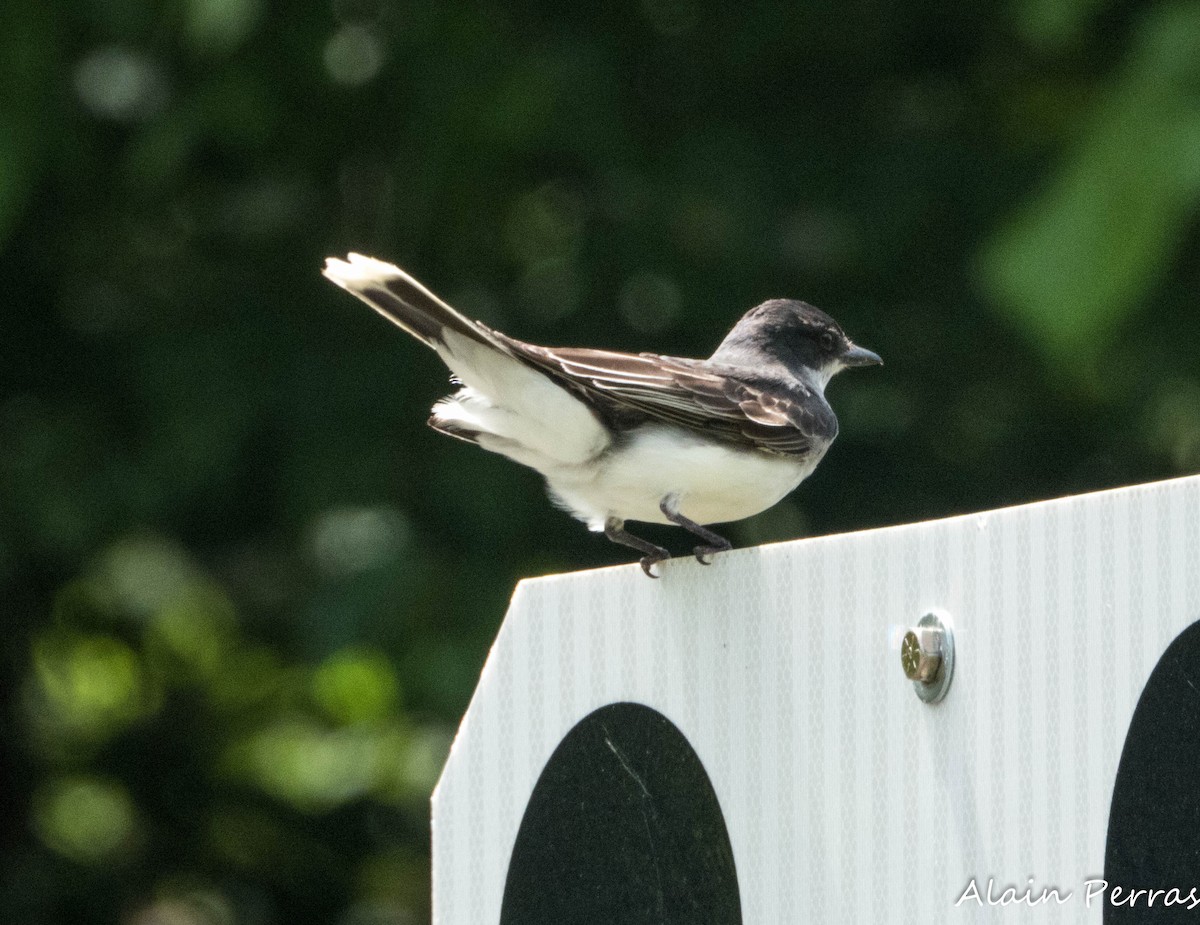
921	654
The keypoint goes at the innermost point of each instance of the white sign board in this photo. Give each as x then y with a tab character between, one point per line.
738	742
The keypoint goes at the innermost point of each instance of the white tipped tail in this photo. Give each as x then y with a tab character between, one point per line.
533	417
400	298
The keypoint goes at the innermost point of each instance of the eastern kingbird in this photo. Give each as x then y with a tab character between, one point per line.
622	436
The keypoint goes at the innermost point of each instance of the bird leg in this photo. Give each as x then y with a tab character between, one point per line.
614	529
715	542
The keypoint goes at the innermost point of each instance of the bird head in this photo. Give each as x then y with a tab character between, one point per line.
802	339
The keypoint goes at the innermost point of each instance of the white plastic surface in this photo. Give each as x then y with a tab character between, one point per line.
846	798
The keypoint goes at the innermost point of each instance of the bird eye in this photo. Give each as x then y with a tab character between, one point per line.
827	341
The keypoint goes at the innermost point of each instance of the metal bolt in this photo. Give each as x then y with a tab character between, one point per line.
921	654
927	656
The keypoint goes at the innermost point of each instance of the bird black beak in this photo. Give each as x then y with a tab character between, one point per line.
860	356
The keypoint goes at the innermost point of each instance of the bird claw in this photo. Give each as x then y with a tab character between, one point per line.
648	562
701	551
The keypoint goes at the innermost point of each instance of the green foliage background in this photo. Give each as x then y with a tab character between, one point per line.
246	593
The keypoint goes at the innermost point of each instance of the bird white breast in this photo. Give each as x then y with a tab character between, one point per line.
714	482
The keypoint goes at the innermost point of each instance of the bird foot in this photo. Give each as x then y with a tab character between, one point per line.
614	529
714	541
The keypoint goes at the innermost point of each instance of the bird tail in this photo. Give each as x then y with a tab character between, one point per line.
403	301
505	404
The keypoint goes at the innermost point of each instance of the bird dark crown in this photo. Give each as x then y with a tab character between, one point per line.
792	314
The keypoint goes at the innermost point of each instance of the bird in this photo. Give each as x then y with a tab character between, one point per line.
639	437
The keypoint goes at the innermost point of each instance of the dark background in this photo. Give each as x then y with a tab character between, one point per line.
246	593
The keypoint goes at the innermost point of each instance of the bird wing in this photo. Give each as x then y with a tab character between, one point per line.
723	402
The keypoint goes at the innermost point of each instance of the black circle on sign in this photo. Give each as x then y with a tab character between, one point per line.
623	828
1154	820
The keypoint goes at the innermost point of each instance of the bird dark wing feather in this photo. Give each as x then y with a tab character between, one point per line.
721	402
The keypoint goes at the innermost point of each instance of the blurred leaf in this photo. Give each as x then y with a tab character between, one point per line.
192	636
1074	263
85	689
140	575
86	819
217	27
356	686
313	768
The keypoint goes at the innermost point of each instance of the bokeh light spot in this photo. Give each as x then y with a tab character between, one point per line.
85	687
220	26
85	819
199	907
350	540
355	686
353	55
142	574
311	767
120	84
